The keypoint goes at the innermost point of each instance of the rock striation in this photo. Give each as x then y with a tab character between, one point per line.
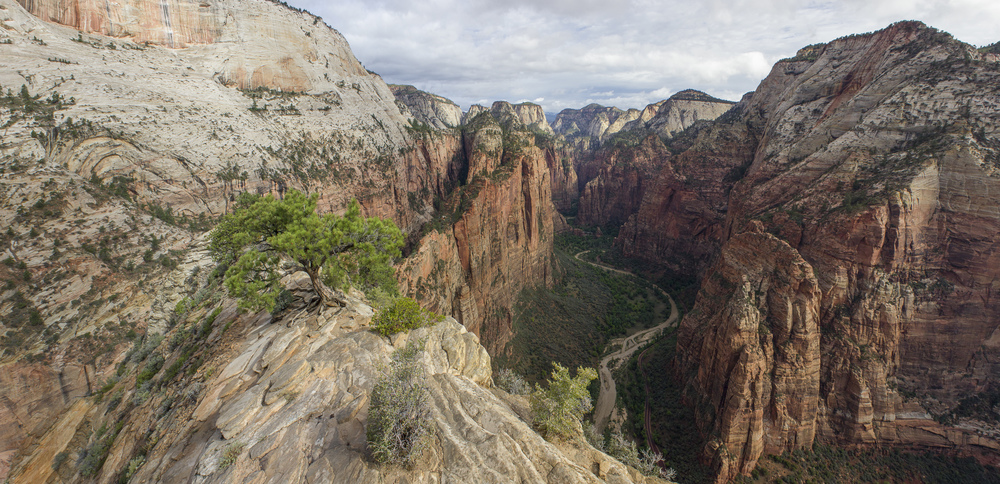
287	400
751	347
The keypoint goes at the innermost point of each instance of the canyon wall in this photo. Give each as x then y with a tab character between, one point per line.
874	160
493	235
618	164
120	157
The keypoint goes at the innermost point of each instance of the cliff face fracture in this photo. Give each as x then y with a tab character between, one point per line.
874	159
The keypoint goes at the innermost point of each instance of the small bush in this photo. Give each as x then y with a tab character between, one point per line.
152	367
230	454
58	461
133	466
511	382
402	314
646	462
558	408
399	425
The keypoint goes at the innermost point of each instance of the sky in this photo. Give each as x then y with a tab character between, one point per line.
625	53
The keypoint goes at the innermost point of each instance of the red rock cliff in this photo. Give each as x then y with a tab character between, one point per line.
875	159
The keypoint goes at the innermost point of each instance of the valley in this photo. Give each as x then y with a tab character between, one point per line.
795	286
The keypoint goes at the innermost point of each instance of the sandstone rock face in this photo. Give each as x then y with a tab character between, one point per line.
680	221
565	183
501	239
593	121
614	179
431	109
682	110
752	346
288	400
875	158
533	117
132	149
616	192
182	128
282	48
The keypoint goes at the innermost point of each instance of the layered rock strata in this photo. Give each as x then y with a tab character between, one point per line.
874	157
494	234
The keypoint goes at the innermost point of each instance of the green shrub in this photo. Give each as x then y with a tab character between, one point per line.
133	466
402	314
558	408
230	454
399	426
59	459
646	462
152	367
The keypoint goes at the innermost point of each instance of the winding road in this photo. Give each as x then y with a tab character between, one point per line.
629	344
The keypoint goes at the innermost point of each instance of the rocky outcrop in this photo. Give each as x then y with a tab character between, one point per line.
665	118
129	150
682	110
433	110
617	190
680	222
593	122
614	178
750	349
562	161
533	117
189	128
287	400
874	158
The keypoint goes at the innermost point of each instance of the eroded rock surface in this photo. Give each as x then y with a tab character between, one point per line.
874	159
291	396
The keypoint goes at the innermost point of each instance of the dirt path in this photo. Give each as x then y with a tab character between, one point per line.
629	344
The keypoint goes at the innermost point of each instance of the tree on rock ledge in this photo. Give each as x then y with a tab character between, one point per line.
336	251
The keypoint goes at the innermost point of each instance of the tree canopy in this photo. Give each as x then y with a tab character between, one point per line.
336	251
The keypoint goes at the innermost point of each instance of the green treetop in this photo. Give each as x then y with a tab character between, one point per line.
336	251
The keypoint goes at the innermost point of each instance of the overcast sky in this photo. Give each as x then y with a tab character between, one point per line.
625	53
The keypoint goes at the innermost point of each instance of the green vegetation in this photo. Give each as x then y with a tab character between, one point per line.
402	314
571	322
92	457
674	429
25	106
399	426
980	406
558	408
230	454
337	252
828	464
620	447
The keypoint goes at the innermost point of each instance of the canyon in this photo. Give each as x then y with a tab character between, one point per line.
841	221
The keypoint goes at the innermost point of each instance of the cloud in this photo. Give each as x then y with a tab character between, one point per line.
568	53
